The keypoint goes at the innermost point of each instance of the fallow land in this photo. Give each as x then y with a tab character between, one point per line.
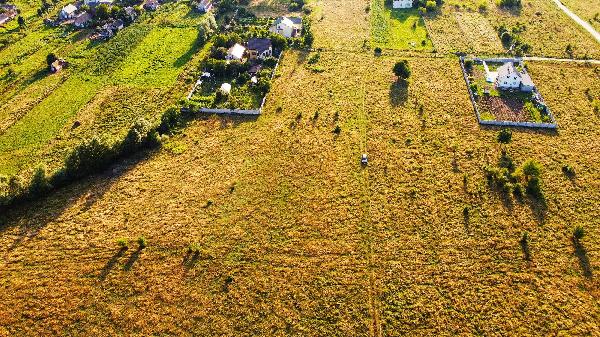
291	236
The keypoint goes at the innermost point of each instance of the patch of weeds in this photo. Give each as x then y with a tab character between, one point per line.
142	243
123	243
568	171
578	233
337	130
505	136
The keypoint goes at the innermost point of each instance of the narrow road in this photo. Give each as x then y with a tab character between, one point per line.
537	58
577	19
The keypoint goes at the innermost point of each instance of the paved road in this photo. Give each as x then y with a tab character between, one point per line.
577	19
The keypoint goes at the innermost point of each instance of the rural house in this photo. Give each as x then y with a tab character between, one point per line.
151	5
204	6
82	20
259	48
67	12
402	4
288	27
9	12
109	29
236	52
509	77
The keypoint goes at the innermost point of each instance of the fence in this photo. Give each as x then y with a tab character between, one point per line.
552	125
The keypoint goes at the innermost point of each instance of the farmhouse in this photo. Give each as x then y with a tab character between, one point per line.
509	77
259	48
402	4
204	6
287	26
67	12
82	20
236	52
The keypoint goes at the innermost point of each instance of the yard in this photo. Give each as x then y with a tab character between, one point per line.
502	105
402	29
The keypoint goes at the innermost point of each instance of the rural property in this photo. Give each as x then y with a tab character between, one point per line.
299	168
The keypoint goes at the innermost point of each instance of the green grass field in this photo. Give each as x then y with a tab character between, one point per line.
39	109
402	29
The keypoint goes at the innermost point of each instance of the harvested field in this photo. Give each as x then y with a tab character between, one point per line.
296	238
341	24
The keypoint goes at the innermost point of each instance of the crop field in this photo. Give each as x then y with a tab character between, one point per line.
587	10
295	237
141	66
547	29
398	29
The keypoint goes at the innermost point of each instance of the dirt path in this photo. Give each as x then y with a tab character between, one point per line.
579	21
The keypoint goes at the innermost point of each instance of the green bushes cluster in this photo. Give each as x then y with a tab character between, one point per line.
509	3
510	180
91	156
511	39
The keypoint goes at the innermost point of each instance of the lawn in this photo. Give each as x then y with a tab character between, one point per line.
402	29
295	237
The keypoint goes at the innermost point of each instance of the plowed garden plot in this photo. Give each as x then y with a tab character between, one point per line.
503	109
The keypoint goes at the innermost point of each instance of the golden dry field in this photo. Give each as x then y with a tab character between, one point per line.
291	236
587	10
296	238
462	26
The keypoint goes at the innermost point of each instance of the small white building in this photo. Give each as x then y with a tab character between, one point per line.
67	12
509	77
204	6
236	52
287	26
402	4
225	88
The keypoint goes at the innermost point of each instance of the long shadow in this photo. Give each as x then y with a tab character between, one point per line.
133	258
111	263
584	260
525	248
33	216
399	93
537	131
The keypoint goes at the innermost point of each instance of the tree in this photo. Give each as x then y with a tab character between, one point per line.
504	136
102	12
50	58
430	6
402	70
21	21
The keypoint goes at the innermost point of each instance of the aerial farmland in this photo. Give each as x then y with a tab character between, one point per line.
299	168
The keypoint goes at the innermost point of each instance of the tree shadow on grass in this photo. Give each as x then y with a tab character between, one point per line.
33	216
399	93
584	260
132	259
111	263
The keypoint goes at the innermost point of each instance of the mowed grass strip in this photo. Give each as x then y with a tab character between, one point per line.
158	58
402	29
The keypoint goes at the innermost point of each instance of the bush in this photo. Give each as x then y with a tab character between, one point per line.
568	170
88	157
170	120
50	58
534	188
378	51
504	136
430	6
40	184
123	243
402	70
510	3
142	243
136	137
469	65
578	233
532	169
337	130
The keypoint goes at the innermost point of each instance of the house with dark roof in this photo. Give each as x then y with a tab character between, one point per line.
151	5
204	6
259	48
9	12
82	20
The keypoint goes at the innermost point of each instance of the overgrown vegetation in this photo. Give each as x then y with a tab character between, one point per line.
515	181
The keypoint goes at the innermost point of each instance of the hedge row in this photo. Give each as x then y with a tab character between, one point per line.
91	156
